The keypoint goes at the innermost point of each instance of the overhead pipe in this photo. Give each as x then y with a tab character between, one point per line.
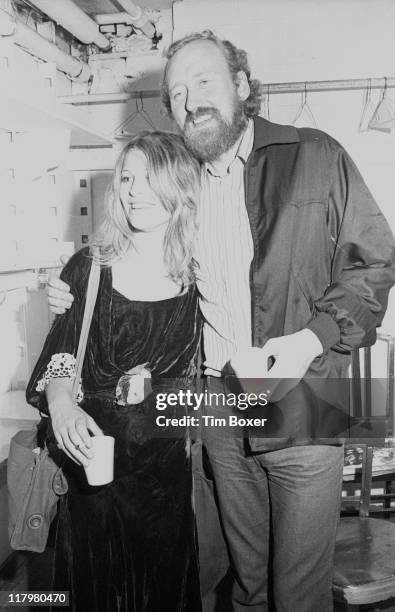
37	45
139	17
74	20
110	18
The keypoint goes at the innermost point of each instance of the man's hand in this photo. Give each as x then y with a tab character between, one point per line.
59	297
281	363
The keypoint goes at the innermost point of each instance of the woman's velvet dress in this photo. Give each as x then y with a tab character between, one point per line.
130	545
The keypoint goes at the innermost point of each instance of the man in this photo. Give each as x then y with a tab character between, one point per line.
295	262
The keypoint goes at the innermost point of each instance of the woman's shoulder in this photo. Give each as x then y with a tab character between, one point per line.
192	296
77	269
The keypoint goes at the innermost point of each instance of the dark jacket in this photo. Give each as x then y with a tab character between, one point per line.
323	259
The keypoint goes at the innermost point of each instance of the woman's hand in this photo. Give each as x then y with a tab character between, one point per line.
71	426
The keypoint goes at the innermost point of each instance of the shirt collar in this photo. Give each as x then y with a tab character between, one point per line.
260	133
243	150
246	142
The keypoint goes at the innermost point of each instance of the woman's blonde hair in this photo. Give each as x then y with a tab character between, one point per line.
174	176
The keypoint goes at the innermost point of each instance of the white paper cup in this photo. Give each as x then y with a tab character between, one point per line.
100	470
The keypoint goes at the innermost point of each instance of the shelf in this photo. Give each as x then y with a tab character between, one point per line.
22	277
115	55
25	109
30	267
108	98
27	265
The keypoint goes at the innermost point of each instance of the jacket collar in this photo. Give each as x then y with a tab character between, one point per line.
268	133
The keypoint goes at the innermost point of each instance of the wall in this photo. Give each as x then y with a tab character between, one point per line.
292	40
37	226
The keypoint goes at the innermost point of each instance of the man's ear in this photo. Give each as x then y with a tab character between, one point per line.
243	87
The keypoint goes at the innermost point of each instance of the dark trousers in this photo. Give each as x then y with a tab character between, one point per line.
279	511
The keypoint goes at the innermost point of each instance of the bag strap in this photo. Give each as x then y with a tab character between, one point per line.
90	300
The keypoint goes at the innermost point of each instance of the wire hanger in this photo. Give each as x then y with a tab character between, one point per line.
304	108
383	118
144	113
367	108
139	111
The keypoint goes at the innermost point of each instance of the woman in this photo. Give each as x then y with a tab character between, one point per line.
129	545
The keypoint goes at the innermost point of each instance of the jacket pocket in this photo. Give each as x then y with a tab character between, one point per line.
300	306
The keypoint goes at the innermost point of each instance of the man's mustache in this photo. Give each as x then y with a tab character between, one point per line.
200	112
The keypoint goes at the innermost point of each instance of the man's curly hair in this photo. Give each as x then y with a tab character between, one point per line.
236	59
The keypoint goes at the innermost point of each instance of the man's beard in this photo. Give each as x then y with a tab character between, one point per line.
208	144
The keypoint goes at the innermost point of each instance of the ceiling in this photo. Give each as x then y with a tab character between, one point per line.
108	6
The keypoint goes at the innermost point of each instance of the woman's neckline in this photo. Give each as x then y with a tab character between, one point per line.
174	297
184	291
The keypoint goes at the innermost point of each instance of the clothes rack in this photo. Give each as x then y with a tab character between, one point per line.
271	88
334	85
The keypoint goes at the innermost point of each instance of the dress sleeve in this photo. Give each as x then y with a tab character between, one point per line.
362	263
60	348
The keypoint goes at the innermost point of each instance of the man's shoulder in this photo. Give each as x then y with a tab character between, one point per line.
315	136
268	133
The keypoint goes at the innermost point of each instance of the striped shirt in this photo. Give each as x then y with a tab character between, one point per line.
224	251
